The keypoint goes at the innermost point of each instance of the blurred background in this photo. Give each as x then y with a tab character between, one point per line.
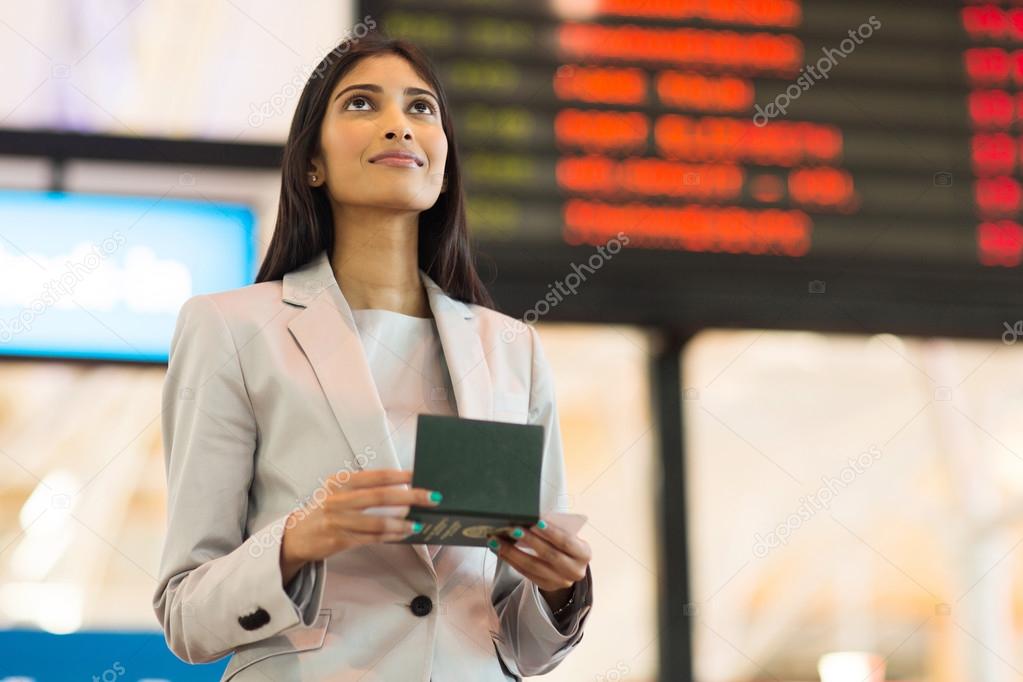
772	248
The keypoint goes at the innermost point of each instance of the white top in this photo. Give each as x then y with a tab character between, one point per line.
407	363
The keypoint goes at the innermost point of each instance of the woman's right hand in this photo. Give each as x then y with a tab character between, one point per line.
339	523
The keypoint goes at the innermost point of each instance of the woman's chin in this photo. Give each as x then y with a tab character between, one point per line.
413	199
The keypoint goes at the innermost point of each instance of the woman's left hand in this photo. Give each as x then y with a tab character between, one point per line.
561	560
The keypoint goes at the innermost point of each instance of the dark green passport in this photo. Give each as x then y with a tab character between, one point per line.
489	474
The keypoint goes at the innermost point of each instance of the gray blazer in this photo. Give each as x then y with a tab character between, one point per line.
267	395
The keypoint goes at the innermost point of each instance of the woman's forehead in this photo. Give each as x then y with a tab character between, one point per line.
390	72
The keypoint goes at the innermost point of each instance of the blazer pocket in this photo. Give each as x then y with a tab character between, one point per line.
300	639
511	406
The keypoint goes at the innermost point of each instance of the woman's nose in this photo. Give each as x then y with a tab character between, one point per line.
406	133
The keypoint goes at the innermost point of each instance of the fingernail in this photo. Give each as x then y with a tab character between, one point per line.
541	524
517	533
436	496
416	526
493	544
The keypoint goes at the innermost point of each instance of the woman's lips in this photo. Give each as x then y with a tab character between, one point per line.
397	162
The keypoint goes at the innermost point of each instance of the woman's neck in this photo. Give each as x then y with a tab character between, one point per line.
376	261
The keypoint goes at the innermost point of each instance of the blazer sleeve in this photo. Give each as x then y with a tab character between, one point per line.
217	589
532	641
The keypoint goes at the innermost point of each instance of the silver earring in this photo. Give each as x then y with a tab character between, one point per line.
314	178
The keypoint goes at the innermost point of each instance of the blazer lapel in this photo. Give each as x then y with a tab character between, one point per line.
463	353
327	334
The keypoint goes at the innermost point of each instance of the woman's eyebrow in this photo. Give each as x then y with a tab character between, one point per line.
376	88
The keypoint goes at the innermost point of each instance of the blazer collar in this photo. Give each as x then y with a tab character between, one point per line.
327	334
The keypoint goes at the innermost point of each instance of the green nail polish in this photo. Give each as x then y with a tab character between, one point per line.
493	544
541	524
436	496
416	526
517	533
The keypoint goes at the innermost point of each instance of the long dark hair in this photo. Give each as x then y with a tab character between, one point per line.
305	224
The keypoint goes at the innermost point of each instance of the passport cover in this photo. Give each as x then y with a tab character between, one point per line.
489	474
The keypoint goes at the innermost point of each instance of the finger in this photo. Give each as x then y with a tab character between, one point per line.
366	523
383	496
373	538
508	547
531	567
547	552
369	478
392	533
558	537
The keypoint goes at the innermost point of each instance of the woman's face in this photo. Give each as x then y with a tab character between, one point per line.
391	109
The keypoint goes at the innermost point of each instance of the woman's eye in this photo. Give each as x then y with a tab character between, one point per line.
357	98
426	102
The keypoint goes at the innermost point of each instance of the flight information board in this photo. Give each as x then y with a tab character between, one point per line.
859	130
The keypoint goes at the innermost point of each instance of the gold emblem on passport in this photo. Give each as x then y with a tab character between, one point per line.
478	531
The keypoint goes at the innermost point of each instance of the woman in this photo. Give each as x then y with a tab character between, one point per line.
289	416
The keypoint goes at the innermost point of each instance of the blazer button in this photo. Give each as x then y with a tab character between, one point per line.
254	620
421	605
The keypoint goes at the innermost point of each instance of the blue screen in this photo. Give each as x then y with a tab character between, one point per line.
33	656
103	277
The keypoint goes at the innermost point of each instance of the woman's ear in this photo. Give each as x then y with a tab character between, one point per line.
315	175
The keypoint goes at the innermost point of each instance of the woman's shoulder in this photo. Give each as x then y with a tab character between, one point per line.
240	298
501	331
239	307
